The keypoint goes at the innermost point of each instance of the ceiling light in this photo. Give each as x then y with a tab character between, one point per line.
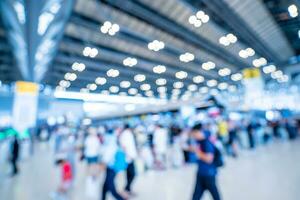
78	66
70	76
176	91
181	75
198	79
125	84
92	86
109	28
203	90
259	62
192	87
114	89
224	72
198	19
269	69
145	87
236	77
159	69
293	10
130	62
100	80
208	65
232	88
186	57
228	39
156	45
64	83
113	73
212	83
139	77
149	93
178	85
277	74
161	89
132	91
161	81
90	52
223	86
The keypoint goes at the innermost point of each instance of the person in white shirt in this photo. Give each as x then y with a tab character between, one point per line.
160	145
92	147
127	142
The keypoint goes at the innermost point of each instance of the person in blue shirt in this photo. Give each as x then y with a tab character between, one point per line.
207	171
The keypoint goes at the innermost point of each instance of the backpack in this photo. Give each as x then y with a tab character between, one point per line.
120	163
218	157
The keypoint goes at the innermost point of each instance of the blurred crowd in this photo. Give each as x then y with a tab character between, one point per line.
141	147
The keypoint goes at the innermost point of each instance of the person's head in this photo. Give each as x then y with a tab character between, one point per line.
126	126
197	132
60	161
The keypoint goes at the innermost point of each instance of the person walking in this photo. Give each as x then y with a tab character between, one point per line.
113	162
15	149
207	170
127	142
160	146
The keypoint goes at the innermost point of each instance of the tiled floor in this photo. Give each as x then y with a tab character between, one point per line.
269	173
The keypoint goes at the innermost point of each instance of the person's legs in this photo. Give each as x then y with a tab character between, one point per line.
14	166
130	176
109	185
199	189
210	185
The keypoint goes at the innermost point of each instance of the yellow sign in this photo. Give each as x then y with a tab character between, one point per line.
251	73
26	87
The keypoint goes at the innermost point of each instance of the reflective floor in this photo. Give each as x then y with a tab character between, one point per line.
269	172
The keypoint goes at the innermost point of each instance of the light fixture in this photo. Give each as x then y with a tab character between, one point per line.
130	62
64	83
161	81
198	79
92	86
198	19
105	92
228	39
162	89
245	53
78	66
90	52
181	75
113	73
212	83
125	84
149	93
259	62
203	90
145	87
269	69
100	81
192	87
139	77
156	45
70	76
224	72
186	57
277	74
176	92
109	28
208	65
293	10
159	69
236	77
178	85
114	89
223	86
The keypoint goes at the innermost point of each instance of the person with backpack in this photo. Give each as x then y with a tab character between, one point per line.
208	160
114	158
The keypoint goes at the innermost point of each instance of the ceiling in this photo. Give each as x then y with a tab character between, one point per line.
264	26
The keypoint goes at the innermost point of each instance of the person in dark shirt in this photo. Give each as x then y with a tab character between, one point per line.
207	171
15	156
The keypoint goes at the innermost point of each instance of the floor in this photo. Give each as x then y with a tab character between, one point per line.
269	172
